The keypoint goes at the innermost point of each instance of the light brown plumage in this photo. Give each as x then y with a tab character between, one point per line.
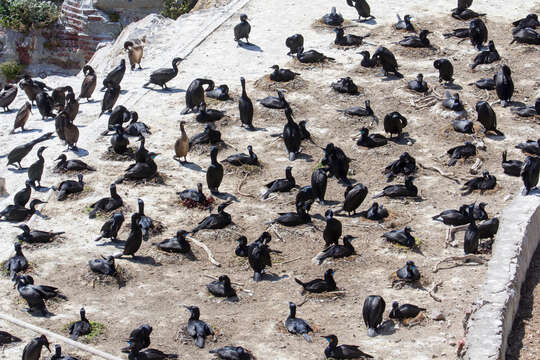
181	146
135	53
22	116
71	134
72	106
89	83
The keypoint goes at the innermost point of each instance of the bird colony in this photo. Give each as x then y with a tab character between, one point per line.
334	194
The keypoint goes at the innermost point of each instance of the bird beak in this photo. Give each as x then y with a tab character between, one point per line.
58	158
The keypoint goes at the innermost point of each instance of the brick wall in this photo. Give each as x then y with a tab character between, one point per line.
75	35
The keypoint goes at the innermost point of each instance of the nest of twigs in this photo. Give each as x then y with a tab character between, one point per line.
119	279
205	205
110	154
157	179
243	170
264	83
200	149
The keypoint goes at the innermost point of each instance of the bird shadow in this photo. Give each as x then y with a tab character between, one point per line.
119	244
392	77
80	151
257	129
535	191
226	196
18	170
329	203
516	103
496	137
189	165
453	86
167	90
42	189
47	314
386	328
145	260
123	92
25	131
250	46
233	299
404	139
306	157
273	277
10	111
318	217
371	21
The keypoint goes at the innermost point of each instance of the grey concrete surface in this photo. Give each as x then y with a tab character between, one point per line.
491	322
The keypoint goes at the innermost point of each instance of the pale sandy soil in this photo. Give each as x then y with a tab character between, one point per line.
161	283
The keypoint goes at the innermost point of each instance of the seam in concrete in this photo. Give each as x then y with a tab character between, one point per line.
491	322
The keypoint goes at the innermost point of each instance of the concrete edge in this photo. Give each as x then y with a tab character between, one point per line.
491	321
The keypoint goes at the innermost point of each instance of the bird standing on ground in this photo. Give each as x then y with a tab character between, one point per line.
373	312
89	83
162	76
245	107
333	229
17	263
22	117
530	173
362	8
504	85
242	30
32	350
214	174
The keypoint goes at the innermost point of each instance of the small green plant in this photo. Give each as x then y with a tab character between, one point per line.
174	8
97	329
10	69
23	15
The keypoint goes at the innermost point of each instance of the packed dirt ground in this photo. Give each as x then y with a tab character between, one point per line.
156	285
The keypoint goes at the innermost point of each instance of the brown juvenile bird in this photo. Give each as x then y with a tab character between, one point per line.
59	122
135	53
181	146
89	83
72	106
22	117
71	134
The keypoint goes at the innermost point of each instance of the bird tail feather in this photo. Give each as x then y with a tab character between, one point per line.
378	195
299	282
200	341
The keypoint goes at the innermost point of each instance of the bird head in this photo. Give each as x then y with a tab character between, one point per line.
243	17
329	214
43	341
242	240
